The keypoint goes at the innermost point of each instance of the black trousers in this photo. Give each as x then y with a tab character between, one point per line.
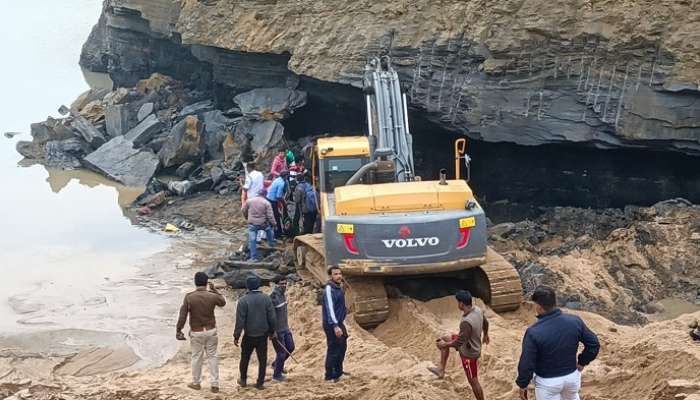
309	221
278	220
335	354
248	344
296	229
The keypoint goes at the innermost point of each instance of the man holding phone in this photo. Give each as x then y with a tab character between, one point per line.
199	305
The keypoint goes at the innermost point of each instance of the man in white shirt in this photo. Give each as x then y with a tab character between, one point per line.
253	183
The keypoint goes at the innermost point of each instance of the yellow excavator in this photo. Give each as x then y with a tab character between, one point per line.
380	220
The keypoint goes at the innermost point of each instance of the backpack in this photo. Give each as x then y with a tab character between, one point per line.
310	202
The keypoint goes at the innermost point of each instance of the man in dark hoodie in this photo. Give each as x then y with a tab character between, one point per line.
255	316
334	312
549	351
284	343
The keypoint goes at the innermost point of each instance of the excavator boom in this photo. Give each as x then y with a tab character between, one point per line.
387	118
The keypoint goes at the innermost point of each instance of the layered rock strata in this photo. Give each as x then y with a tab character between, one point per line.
605	73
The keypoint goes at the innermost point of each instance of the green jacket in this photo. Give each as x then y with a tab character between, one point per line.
290	158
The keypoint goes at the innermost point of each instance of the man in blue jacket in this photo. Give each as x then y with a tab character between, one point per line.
334	312
275	194
550	348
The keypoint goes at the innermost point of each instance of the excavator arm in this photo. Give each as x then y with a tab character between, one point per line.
387	118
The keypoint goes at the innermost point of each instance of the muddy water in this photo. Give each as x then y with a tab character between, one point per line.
673	308
71	256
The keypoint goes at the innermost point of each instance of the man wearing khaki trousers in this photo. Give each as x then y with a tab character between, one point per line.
199	305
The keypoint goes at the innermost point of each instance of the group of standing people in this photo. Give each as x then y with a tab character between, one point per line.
265	206
549	350
259	318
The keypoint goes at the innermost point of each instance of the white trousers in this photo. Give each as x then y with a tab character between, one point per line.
205	342
560	388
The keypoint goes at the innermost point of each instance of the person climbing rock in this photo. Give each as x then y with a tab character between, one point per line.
253	182
260	216
255	318
467	342
279	164
549	351
307	205
275	195
199	305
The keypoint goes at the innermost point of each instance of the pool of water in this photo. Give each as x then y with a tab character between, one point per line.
72	257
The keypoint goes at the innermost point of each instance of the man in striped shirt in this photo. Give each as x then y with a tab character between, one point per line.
334	312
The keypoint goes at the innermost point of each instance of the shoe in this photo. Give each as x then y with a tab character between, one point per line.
215	389
437	372
259	386
242	383
279	378
336	380
284	370
195	386
347	373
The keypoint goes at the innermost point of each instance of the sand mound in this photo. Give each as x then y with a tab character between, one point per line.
658	361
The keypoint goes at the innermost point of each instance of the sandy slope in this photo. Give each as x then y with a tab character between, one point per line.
657	361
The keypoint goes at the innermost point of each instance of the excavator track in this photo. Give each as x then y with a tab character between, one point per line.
366	297
496	282
499	283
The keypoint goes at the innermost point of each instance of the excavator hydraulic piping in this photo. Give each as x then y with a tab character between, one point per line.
361	173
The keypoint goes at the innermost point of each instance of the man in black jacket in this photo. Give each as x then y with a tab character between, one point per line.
255	316
550	348
284	342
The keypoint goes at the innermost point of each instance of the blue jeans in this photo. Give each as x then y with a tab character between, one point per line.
252	236
284	338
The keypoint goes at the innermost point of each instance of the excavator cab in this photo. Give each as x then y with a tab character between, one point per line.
335	161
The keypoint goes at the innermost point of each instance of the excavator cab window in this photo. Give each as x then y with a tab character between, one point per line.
337	170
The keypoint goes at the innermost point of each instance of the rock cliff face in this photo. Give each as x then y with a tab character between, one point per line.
604	73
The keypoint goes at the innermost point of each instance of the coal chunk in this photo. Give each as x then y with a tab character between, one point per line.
185	143
145	131
119	160
65	154
270	103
